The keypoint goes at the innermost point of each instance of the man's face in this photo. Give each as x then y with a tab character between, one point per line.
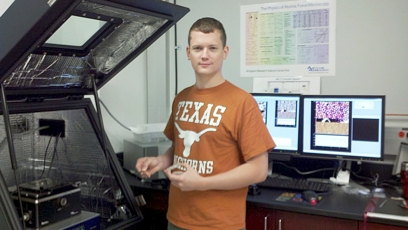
206	53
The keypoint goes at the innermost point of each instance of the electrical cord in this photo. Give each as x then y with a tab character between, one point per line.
305	173
55	156
45	158
392	183
114	118
367	179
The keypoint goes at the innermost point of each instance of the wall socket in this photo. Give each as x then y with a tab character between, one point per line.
56	127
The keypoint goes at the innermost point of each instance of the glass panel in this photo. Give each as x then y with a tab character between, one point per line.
46	70
72	32
53	163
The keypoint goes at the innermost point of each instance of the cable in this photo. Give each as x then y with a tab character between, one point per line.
45	158
55	155
375	180
114	118
175	58
304	173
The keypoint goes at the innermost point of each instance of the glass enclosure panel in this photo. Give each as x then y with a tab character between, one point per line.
73	71
72	32
51	160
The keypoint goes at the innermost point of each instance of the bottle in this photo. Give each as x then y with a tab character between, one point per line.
404	179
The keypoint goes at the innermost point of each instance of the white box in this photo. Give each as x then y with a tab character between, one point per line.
149	133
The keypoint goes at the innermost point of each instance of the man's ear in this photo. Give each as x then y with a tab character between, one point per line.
188	52
226	50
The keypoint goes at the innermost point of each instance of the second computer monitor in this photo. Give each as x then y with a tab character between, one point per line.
281	115
343	126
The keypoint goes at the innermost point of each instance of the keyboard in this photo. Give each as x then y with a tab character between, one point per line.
295	184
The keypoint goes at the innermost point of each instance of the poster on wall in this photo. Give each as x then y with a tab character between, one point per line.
288	39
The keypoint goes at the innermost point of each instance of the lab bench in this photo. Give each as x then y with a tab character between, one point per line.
267	210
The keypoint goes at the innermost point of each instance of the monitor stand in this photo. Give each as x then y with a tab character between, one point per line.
270	168
272	174
279	157
343	175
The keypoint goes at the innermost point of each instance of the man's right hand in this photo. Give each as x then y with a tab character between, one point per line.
147	166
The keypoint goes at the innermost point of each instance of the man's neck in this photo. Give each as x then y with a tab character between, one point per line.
203	82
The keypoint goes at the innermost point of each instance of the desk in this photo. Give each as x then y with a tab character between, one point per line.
337	204
337	210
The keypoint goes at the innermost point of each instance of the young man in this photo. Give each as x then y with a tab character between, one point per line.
219	138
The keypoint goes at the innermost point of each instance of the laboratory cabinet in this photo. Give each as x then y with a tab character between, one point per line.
269	219
260	218
291	220
261	215
375	226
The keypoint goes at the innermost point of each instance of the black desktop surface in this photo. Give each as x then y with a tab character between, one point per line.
337	204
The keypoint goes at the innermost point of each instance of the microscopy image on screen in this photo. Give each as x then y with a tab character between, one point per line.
263	106
285	113
331	126
332	117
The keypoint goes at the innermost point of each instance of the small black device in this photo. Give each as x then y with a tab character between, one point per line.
45	202
253	189
310	196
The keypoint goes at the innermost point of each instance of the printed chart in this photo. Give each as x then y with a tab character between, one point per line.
288	39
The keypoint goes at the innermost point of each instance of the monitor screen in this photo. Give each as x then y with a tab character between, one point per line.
343	127
281	115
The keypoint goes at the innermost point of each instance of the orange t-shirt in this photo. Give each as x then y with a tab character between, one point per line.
214	130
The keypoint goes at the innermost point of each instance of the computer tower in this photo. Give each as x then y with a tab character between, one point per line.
53	145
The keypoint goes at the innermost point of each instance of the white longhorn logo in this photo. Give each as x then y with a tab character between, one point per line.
190	137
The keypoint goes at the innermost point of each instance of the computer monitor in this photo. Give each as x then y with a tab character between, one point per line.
342	126
281	115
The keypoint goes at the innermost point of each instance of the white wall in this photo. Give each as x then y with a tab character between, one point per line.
141	93
138	94
125	97
370	59
371	56
371	50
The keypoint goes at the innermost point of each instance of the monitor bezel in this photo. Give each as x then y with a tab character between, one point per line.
311	154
